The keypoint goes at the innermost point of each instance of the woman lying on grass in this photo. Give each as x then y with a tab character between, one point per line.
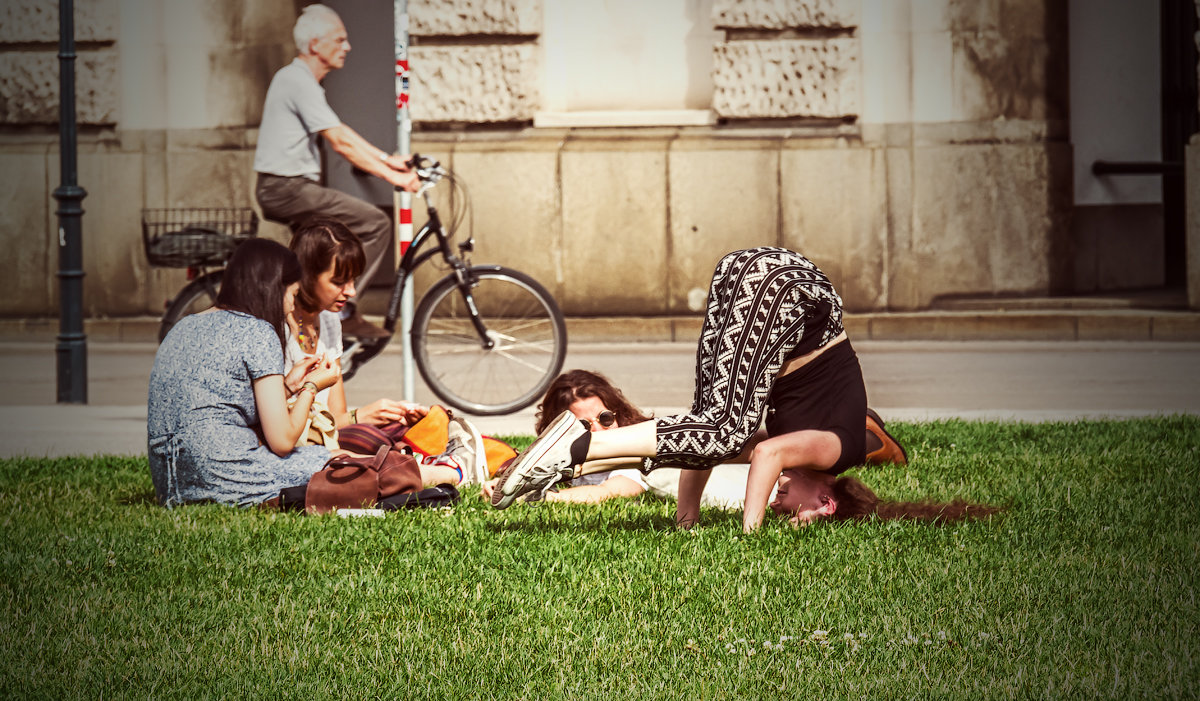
218	422
592	398
773	344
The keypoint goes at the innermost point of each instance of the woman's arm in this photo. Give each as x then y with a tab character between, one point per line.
807	449
280	426
377	413
691	487
336	401
693	482
615	487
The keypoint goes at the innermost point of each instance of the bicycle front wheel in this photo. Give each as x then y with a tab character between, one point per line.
499	359
198	295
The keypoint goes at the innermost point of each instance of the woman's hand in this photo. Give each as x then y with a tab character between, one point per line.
325	373
296	376
386	411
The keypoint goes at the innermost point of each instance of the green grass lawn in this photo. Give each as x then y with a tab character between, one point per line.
1084	586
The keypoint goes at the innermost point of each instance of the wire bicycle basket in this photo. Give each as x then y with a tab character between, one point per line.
185	237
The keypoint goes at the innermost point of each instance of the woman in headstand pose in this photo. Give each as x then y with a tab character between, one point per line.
591	397
772	343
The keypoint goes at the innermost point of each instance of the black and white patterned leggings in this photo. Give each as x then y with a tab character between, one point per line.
757	305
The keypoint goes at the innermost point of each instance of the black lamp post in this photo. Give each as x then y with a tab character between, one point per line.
72	341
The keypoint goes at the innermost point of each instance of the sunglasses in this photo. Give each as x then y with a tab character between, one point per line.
605	418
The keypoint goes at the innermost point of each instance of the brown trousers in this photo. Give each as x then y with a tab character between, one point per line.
291	200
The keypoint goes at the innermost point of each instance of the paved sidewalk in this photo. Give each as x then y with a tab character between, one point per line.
909	381
1014	320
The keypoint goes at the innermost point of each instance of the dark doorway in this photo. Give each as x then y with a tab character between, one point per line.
1180	119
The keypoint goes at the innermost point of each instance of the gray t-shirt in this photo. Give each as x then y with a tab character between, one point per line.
294	115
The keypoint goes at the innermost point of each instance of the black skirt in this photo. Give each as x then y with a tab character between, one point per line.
828	394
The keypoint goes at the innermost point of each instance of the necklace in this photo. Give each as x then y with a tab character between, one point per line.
306	334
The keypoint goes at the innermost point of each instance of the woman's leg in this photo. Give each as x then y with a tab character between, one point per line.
632	441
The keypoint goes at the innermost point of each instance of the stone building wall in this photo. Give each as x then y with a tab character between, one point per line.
29	62
781	59
475	61
169	96
29	84
1192	176
964	193
953	185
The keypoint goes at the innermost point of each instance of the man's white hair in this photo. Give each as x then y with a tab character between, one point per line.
314	22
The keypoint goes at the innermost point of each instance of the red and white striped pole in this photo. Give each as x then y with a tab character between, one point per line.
402	201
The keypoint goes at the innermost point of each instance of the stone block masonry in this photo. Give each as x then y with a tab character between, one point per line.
29	64
786	78
772	14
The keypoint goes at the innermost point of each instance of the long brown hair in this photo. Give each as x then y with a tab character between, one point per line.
320	242
855	500
582	384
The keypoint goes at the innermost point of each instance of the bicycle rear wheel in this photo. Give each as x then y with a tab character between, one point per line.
523	323
198	295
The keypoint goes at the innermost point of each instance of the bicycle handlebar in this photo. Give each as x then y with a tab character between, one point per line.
427	170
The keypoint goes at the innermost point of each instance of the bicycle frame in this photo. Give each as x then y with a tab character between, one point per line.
413	258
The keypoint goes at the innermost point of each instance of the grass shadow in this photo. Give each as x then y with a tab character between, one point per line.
598	524
141	498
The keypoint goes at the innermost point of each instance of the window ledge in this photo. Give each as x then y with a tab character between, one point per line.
626	118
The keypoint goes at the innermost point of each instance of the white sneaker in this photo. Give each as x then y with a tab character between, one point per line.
551	459
464	445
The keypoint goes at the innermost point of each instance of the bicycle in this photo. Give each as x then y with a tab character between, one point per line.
486	339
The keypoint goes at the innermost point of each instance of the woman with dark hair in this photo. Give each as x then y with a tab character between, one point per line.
575	386
331	258
772	346
219	427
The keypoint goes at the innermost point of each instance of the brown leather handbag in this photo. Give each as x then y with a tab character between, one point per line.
347	481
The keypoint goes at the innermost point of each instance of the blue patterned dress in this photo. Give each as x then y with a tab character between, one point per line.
204	439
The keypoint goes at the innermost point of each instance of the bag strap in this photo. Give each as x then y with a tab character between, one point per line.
376	463
380	457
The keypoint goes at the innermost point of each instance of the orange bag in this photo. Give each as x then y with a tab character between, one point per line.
429	436
498	453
